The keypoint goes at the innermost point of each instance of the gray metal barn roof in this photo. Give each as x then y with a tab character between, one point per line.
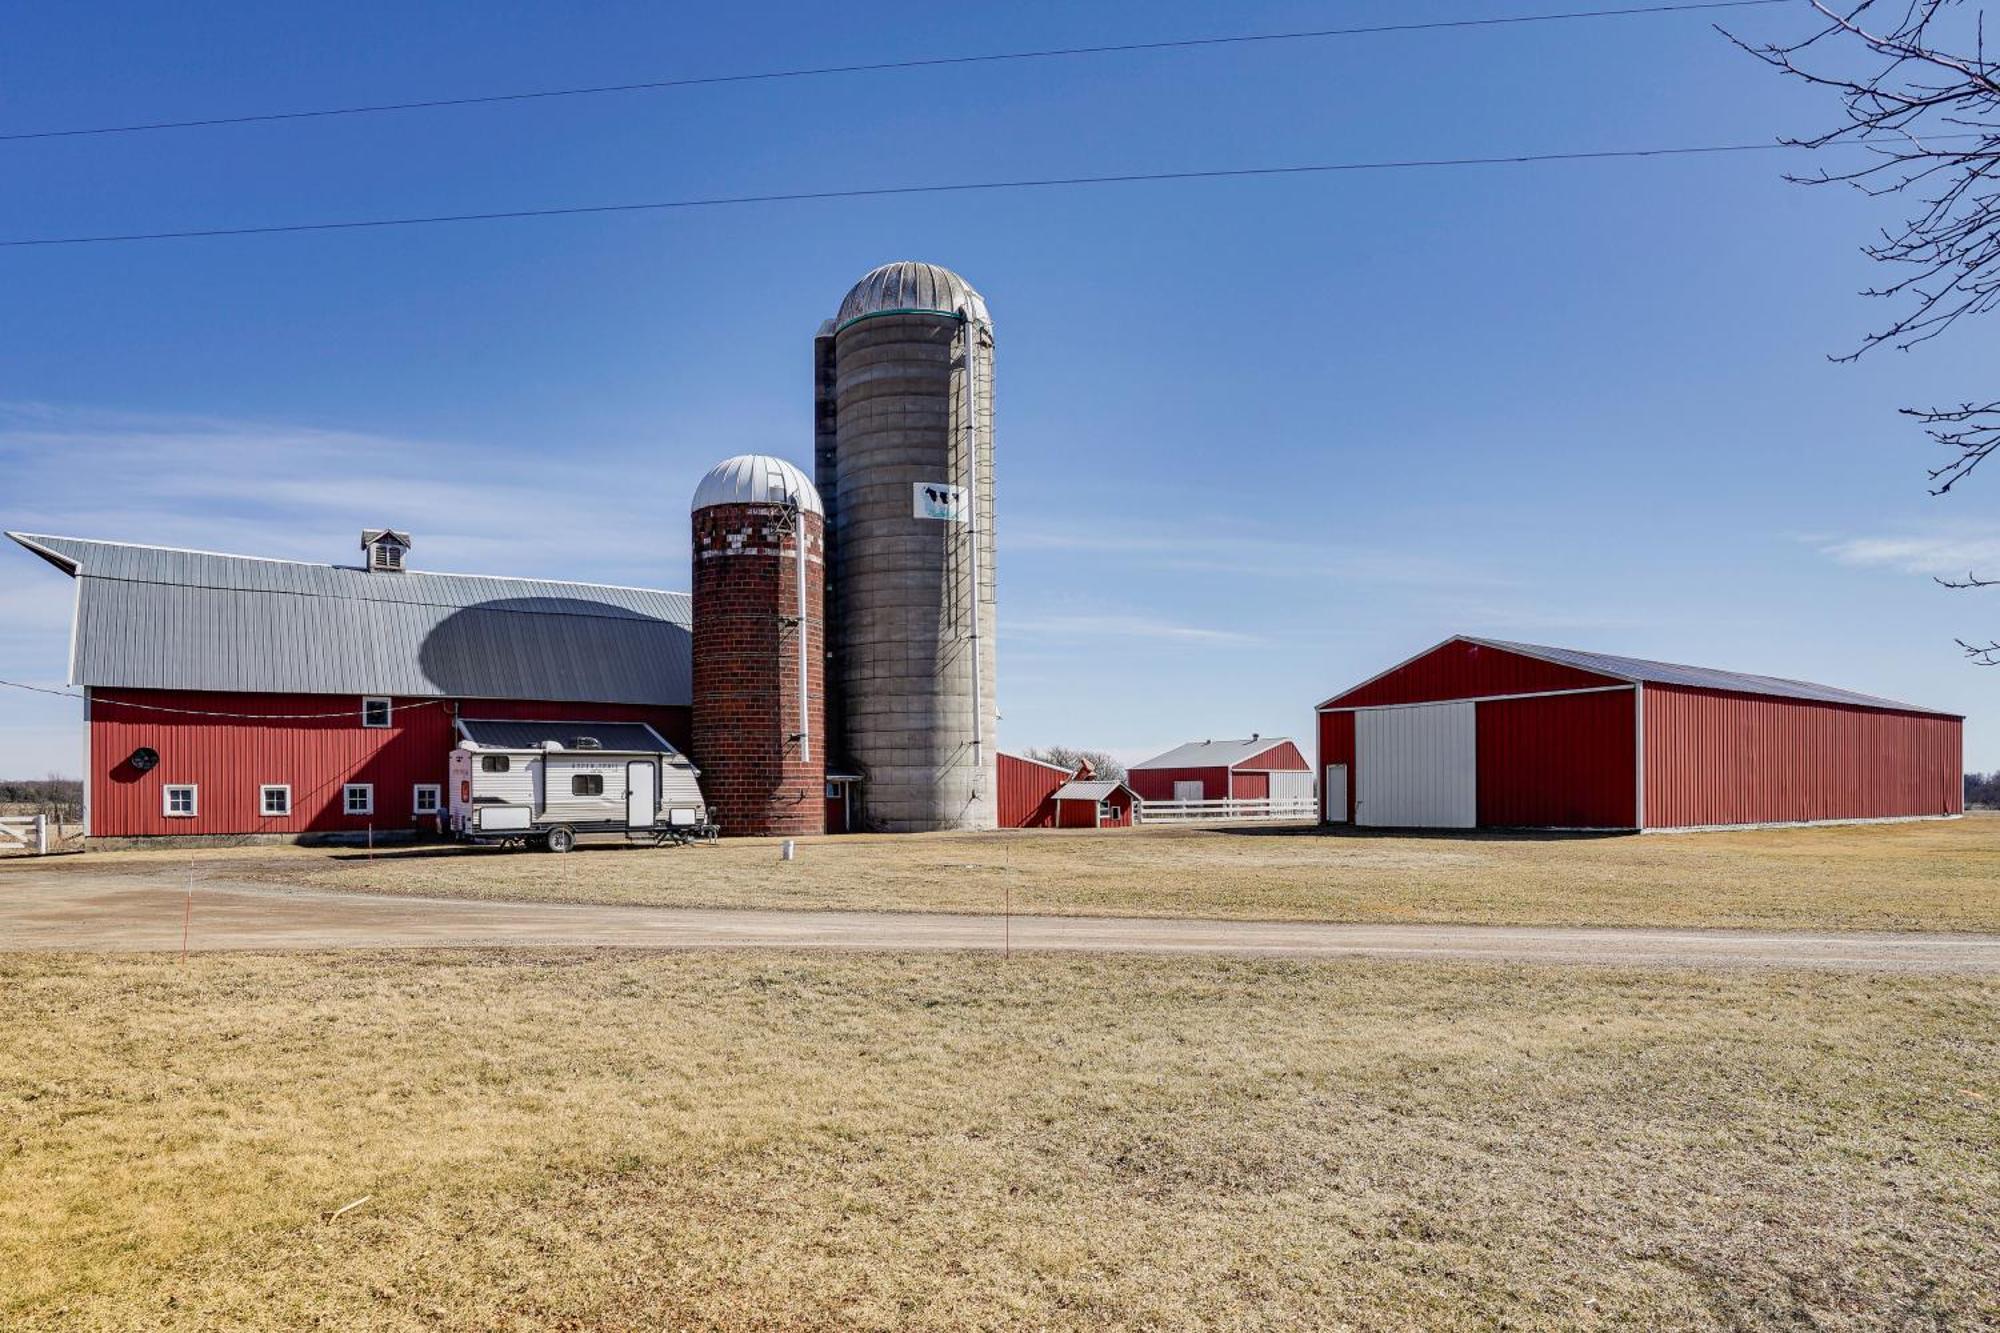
1705	678
155	617
1214	754
612	737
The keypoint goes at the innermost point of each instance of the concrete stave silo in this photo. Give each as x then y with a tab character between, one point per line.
759	651
904	412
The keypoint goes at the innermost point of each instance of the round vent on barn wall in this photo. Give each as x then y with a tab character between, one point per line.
144	759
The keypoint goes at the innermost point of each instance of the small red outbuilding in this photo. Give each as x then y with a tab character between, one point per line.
1485	733
1083	804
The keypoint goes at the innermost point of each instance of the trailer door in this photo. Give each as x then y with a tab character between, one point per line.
642	800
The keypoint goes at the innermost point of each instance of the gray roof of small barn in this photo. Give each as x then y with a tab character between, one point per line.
156	617
1705	678
1086	791
613	737
1214	754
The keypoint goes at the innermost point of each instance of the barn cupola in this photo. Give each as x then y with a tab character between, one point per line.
387	549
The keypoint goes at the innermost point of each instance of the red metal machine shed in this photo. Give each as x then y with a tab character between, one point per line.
1225	770
1490	734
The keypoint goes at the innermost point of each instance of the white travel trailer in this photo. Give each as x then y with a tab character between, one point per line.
546	783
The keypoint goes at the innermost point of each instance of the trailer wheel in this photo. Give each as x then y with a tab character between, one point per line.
560	840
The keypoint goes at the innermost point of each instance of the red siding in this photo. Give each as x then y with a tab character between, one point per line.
1250	786
228	759
1336	746
1025	787
1157	784
1459	670
1718	758
1282	757
1564	761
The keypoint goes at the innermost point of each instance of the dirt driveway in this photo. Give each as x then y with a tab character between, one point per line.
120	913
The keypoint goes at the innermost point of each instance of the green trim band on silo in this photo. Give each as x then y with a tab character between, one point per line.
908	310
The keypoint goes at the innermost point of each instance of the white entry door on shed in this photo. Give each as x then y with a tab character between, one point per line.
1336	793
1417	766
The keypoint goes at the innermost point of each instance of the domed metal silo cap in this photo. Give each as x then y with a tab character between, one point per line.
908	287
757	479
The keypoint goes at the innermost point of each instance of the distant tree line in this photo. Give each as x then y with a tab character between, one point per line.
49	796
1982	789
1063	756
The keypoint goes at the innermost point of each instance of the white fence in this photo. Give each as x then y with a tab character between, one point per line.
29	832
1193	812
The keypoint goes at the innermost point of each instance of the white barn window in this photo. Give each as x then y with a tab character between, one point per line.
358	798
179	801
274	799
425	800
375	712
1107	813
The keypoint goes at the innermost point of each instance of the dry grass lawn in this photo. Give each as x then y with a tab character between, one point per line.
1923	876
761	1141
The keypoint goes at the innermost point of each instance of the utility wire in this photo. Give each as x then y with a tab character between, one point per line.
202	712
822	71
804	196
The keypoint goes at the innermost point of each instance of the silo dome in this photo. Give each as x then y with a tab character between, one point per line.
907	286
754	479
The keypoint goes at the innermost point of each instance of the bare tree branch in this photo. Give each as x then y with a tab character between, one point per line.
1918	93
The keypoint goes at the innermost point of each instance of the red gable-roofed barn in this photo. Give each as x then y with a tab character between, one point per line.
1489	734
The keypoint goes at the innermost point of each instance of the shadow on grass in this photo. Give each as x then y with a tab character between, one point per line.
1428	834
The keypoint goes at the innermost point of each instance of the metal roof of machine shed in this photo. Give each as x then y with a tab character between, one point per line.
1214	754
1705	678
156	617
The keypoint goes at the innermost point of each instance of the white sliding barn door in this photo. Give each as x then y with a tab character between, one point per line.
1416	767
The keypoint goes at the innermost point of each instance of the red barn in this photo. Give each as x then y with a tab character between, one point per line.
1027	788
233	695
1483	733
1255	769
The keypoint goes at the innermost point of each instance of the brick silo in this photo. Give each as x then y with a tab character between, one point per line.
759	647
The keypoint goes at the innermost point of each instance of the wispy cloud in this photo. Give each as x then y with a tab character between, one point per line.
1954	550
1074	627
1192	548
281	489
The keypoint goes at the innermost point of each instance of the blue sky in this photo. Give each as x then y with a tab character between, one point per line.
1257	439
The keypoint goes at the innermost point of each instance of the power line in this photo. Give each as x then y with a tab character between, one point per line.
876	192
109	702
884	66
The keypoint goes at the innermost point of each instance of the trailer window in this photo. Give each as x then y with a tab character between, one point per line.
586	784
494	763
374	712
